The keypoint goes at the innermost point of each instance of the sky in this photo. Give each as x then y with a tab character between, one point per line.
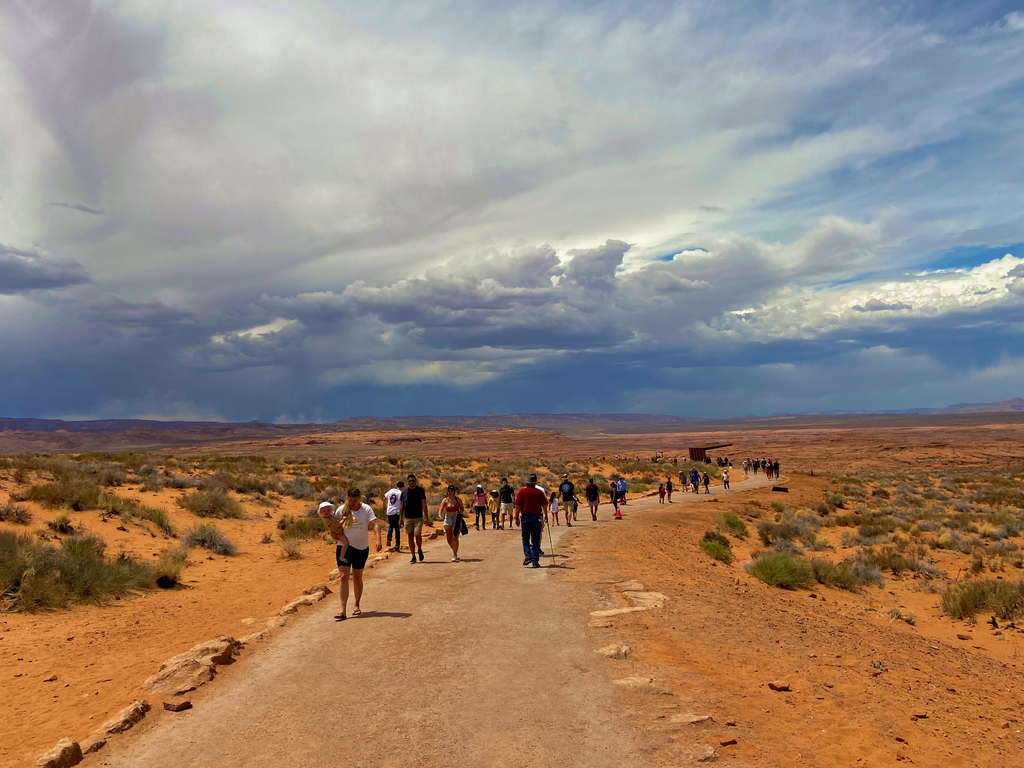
305	211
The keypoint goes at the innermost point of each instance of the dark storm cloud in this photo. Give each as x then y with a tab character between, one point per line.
29	271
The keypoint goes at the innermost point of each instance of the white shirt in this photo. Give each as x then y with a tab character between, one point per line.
357	534
394	497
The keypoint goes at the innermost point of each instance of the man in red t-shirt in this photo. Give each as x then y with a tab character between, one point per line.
530	503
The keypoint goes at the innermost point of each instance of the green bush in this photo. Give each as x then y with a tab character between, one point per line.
72	491
779	569
717	551
210	538
1004	599
777	507
214	502
36	576
838	575
718	538
730	523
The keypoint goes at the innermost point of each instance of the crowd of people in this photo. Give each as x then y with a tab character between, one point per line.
529	509
768	466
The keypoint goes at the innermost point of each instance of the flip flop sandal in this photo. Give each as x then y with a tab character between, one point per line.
340	617
357	612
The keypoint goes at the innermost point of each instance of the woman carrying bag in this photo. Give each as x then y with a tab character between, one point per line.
451	513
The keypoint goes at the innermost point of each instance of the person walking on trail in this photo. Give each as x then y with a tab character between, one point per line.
506	501
613	494
416	514
393	499
349	528
451	513
593	494
668	489
694	481
775	469
707	481
552	508
530	504
725	478
661	493
623	487
480	508
492	509
568	493
745	467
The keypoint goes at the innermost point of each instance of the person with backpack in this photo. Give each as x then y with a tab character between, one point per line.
393	499
568	493
506	502
593	495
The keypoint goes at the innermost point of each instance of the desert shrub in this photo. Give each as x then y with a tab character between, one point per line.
777	507
36	576
867	573
211	503
169	566
1004	599
267	539
897	615
836	500
15	513
717	538
887	559
302	527
715	550
732	524
881	493
61	524
838	575
209	537
789	528
291	549
72	491
779	569
159	518
823	509
816	542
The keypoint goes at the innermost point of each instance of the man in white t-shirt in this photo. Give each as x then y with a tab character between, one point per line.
353	540
393	499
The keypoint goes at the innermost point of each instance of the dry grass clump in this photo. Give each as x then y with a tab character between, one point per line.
838	575
1003	598
730	523
70	491
210	538
301	527
214	502
780	569
15	513
36	576
291	549
169	566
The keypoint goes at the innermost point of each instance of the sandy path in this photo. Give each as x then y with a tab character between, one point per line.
483	662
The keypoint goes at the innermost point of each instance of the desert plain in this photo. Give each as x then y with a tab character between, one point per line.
879	588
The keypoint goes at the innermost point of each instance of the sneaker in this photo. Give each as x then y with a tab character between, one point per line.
536	565
569	524
413	561
527	561
421	555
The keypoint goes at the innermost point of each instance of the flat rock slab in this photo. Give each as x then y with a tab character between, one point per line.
298	602
617	611
220	650
641	684
317	589
182	677
629	586
691	719
614	651
645	599
177	706
126	718
779	685
66	754
94	743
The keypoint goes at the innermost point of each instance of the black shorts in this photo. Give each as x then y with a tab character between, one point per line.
356	558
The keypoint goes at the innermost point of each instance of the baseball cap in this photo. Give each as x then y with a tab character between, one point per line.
532	478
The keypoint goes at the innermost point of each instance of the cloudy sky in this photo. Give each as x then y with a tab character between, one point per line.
304	210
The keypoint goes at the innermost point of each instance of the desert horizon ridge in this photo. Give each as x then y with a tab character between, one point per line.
862	588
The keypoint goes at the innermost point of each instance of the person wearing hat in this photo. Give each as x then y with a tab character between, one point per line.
530	503
568	493
480	507
492	507
451	513
349	526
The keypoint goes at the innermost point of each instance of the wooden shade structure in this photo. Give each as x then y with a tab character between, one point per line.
700	452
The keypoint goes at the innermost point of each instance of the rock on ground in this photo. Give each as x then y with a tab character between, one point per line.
614	651
298	602
645	599
126	718
187	671
94	743
629	586
66	754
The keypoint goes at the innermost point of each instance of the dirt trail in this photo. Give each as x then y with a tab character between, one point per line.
482	662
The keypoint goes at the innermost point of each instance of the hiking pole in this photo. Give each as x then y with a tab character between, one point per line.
551	543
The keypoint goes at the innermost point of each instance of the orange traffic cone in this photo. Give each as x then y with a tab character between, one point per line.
618	513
